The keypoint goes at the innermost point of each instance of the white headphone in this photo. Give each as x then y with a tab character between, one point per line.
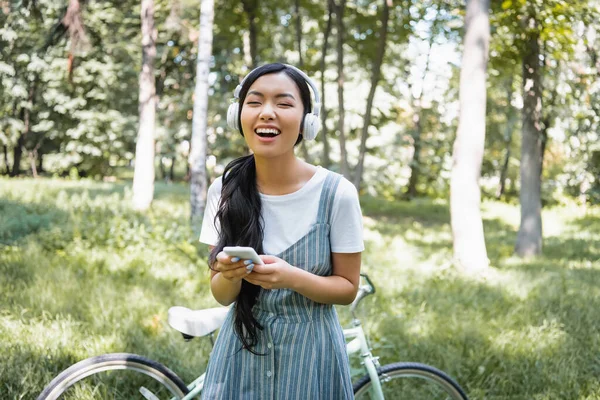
312	123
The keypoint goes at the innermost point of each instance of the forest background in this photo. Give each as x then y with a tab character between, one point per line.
112	124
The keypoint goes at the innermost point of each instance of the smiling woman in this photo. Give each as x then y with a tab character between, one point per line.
306	224
271	116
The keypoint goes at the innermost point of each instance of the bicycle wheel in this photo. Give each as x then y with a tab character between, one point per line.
115	376
410	381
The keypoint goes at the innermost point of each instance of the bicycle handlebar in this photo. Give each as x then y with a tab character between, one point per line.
363	291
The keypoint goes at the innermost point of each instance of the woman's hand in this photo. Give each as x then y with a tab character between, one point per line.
274	274
231	268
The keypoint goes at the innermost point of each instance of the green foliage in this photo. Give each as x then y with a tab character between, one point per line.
85	119
83	274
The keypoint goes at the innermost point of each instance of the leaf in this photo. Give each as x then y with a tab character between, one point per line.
506	4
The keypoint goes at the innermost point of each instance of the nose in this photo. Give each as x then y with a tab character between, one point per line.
267	112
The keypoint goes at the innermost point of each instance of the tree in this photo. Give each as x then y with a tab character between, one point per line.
375	76
197	157
250	37
416	105
143	178
326	161
298	18
465	197
339	12
529	238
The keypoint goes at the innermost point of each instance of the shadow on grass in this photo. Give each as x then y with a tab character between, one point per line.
19	220
590	223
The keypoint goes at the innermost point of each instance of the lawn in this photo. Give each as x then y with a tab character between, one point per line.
82	274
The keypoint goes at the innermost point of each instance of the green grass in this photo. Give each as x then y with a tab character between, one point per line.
82	274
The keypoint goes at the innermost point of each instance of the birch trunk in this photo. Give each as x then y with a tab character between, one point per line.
143	176
465	196
197	158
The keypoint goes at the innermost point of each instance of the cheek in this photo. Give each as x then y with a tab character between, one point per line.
244	116
295	121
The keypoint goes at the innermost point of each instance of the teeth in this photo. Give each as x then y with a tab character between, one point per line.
271	131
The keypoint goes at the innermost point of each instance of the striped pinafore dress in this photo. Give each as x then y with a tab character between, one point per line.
302	341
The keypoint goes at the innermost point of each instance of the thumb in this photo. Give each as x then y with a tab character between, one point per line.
269	259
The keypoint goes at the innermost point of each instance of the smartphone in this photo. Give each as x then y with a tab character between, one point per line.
244	253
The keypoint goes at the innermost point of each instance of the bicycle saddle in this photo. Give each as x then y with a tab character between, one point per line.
197	322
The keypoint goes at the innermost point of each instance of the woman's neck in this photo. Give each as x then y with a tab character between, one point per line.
282	175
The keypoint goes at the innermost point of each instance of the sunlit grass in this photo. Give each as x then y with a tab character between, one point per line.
82	274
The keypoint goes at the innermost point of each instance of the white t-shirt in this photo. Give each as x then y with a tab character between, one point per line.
287	218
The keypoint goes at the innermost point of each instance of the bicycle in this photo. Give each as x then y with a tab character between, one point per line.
401	380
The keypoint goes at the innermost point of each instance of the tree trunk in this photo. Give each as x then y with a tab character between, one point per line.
415	163
298	18
411	189
40	160
510	127
163	171
339	12
375	76
298	32
73	21
250	10
172	170
143	176
197	158
326	161
17	154
529	238
32	162
6	165
465	197
26	118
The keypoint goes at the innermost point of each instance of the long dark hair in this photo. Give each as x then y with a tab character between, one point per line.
239	213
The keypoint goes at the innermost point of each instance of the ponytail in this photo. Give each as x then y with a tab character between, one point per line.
239	217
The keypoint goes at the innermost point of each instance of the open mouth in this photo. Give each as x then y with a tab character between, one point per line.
267	133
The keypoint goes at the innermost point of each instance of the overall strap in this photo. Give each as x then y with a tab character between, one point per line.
327	194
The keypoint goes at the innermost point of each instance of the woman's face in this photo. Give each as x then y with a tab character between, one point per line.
271	115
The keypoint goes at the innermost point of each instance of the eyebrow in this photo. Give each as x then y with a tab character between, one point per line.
256	93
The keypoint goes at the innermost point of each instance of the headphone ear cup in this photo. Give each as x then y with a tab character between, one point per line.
233	115
312	125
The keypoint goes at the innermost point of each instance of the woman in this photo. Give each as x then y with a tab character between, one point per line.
282	338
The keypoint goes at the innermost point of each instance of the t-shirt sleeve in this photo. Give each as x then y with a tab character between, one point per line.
210	229
346	234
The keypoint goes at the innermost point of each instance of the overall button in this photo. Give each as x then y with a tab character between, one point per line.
269	345
269	374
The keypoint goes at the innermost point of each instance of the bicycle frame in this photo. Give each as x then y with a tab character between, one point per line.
359	344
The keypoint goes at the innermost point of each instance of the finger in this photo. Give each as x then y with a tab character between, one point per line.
254	279
223	258
235	274
264	269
